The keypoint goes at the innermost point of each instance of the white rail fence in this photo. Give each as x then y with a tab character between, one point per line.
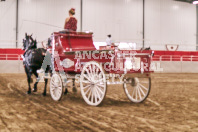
176	64
10	57
175	58
155	58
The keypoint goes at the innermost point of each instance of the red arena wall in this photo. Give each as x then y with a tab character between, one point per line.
15	54
164	61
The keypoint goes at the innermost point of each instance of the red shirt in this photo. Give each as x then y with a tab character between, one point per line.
71	24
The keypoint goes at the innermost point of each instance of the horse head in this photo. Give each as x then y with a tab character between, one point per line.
29	42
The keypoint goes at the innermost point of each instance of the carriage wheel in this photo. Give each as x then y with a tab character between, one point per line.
56	87
137	89
93	83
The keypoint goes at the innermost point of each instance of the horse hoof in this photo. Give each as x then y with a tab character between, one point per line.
28	92
44	94
66	91
35	90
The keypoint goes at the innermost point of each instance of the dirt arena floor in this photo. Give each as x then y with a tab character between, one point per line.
171	106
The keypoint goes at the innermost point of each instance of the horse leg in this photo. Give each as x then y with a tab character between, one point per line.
28	73
47	69
37	80
46	80
29	81
66	91
74	87
44	92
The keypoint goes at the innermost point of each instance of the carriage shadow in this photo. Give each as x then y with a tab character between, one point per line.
76	98
108	102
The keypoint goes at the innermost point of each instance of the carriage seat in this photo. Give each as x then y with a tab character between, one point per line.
66	31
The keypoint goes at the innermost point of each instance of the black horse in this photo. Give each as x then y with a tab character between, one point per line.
33	60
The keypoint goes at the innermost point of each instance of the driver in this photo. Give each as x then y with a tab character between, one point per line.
71	21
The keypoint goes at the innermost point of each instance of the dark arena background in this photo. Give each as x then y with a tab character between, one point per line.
152	45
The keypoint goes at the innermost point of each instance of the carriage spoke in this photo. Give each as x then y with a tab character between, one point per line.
100	74
89	89
100	80
54	92
89	93
88	86
52	79
141	91
92	96
101	92
98	95
59	92
53	83
97	70
88	78
53	89
88	72
133	93
53	86
95	95
100	88
85	81
60	88
101	85
94	70
91	72
143	87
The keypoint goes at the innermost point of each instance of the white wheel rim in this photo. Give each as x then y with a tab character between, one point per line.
93	83
56	87
138	89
